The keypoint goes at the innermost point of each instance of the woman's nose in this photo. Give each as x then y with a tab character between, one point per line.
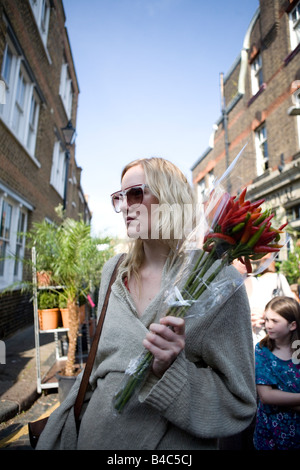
123	204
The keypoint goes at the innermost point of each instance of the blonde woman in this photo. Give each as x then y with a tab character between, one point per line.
201	386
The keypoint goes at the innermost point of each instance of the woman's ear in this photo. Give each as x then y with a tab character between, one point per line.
293	326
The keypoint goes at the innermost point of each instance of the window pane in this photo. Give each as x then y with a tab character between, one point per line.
21	91
4	232
7	66
19	244
32	126
5	220
2	255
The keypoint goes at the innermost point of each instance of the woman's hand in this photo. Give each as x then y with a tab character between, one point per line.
257	319
165	341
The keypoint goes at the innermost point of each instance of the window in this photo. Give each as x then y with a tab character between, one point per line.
256	74
261	144
19	104
21	109
205	186
5	229
296	101
20	243
293	213
294	20
32	124
58	171
13	221
201	191
41	11
66	89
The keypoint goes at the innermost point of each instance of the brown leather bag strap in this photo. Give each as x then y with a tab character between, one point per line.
92	354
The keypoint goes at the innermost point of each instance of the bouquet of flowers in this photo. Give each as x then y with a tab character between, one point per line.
239	230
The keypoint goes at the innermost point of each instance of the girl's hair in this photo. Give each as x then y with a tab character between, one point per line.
177	206
288	308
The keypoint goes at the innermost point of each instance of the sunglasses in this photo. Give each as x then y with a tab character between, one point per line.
133	194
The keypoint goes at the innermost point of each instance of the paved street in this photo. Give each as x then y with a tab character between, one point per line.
14	433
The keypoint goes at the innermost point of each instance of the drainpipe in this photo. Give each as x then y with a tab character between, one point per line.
225	124
66	179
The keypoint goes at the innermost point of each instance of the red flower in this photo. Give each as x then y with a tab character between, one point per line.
242	230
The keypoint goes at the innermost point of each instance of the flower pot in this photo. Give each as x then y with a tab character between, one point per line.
65	317
49	319
43	278
64	385
82	314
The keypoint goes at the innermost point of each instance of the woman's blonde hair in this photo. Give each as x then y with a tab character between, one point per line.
177	206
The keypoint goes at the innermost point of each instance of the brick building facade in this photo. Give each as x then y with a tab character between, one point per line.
261	108
38	171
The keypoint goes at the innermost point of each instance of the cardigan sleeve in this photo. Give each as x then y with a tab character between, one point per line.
214	396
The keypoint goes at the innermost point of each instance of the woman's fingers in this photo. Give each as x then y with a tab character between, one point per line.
165	341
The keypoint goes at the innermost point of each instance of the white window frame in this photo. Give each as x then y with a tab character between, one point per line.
262	154
16	112
41	12
11	270
294	22
59	168
296	101
66	89
256	74
201	190
20	244
34	110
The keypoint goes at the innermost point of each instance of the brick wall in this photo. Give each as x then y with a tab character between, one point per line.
270	37
18	171
16	313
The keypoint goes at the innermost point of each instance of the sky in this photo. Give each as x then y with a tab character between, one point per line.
149	79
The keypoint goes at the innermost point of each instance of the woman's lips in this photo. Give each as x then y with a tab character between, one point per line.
129	220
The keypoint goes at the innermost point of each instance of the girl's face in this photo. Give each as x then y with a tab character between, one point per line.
137	218
278	328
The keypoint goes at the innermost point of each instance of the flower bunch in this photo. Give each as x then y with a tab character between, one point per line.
239	230
242	230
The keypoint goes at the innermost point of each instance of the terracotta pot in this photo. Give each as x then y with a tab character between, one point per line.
65	317
49	319
82	314
43	278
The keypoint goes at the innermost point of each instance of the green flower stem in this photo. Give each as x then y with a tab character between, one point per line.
125	393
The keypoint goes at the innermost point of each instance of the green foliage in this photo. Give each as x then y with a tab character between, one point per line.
290	267
43	236
70	253
62	300
47	299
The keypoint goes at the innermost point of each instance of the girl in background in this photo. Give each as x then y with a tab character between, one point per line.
277	363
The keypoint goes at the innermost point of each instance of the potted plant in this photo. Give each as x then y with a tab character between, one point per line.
43	238
49	315
73	256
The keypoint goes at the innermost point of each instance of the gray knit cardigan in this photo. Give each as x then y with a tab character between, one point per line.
207	393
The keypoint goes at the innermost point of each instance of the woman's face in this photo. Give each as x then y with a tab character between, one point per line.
137	217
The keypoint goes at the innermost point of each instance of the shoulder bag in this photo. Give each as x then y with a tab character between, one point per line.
36	428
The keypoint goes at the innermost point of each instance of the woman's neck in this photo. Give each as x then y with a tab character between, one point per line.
156	254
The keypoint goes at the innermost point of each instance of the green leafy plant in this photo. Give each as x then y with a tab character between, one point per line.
72	255
62	300
47	299
291	267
